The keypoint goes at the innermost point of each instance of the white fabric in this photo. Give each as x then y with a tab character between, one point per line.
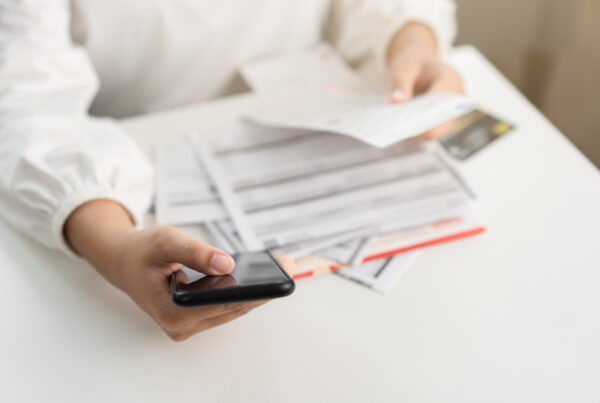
61	61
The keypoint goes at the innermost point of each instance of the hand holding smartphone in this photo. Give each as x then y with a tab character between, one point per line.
257	276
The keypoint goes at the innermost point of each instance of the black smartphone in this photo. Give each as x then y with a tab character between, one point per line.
256	276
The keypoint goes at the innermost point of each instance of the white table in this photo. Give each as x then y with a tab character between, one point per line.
511	316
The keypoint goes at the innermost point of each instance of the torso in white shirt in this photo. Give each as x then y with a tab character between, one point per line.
155	54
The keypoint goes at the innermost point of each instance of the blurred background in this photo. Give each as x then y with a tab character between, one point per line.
550	49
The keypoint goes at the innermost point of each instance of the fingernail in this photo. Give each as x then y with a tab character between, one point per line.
397	95
222	263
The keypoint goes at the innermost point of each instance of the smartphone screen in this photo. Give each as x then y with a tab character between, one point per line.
250	268
257	275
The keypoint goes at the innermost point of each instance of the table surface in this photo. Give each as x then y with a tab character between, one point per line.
510	316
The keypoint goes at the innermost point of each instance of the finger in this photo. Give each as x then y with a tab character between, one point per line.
288	263
439	131
211	311
181	277
449	80
212	282
175	246
222	319
403	76
176	319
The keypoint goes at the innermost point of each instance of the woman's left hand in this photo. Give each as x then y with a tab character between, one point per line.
414	68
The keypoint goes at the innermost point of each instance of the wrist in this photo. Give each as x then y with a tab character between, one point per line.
97	231
413	37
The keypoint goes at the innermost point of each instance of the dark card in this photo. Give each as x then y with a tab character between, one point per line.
472	133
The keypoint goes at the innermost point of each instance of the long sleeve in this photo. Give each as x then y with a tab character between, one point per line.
53	156
363	29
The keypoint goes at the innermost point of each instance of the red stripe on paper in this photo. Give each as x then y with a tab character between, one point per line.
303	275
314	272
433	242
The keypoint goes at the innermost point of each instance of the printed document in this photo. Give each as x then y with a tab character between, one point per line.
369	118
318	185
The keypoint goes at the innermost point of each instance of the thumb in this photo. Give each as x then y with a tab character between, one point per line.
403	76
176	247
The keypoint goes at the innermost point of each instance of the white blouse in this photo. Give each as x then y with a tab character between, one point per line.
65	63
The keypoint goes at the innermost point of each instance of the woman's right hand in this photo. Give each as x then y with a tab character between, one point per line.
141	262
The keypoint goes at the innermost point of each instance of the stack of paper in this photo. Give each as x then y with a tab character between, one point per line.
323	176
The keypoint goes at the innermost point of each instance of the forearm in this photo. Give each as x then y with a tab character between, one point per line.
413	35
96	230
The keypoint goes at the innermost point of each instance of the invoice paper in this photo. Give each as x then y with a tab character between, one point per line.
319	185
184	193
315	89
365	117
357	247
380	275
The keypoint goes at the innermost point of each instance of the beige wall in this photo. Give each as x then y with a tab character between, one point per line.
550	49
